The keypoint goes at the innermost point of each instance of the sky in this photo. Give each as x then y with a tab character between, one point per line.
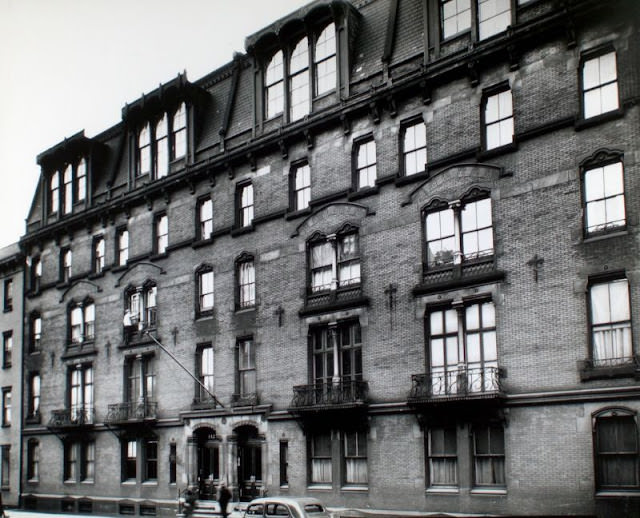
71	65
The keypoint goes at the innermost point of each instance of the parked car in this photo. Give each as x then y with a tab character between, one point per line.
286	506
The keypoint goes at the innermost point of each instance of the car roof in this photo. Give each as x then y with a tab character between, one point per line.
287	500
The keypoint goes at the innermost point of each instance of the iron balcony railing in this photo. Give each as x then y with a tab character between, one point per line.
70	417
343	392
472	265
343	293
456	383
132	411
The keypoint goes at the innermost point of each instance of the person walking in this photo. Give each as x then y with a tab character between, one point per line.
224	495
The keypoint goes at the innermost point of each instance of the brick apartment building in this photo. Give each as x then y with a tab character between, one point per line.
396	242
11	284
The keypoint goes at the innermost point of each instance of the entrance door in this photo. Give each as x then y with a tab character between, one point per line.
208	446
249	462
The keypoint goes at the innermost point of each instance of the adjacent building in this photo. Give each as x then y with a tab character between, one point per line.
396	245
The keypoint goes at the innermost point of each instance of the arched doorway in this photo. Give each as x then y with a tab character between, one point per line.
249	462
208	456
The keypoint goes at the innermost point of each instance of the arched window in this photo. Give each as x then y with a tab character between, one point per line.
144	151
205	296
81	180
274	85
325	60
299	80
246	281
617	455
179	132
82	318
162	147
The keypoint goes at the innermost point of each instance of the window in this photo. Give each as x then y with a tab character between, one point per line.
246	282
179	132
79	461
161	233
365	158
67	191
498	119
205	290
342	341
6	406
206	376
274	85
36	274
458	232
33	460
81	181
150	460
284	463
355	458
173	457
299	80
122	243
599	85
494	16
205	218
141	310
80	394
66	259
610	320
54	193
98	254
604	199
320	458
5	450
141	382
301	187
455	16
162	147
335	261
74	187
35	332
34	396
244	199
8	295
325	60
82	318
488	455
470	367
442	456
617	456
246	368
129	459
414	148
7	349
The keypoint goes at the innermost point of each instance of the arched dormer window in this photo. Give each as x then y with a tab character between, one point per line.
274	86
179	132
324	60
299	80
162	147
81	180
144	150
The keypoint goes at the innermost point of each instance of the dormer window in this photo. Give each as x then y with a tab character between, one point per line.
144	150
162	149
179	132
54	193
299	80
325	60
274	85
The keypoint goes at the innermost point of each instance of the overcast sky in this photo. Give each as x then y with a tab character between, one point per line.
68	65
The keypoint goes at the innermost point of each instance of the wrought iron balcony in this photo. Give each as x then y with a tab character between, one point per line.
132	412
328	297
628	366
458	384
347	393
72	417
478	265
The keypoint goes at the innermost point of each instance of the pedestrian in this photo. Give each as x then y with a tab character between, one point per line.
224	495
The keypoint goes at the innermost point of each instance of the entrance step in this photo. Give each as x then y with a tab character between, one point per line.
205	509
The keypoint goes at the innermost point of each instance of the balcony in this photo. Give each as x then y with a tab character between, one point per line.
123	413
625	367
72	418
245	400
465	384
344	296
344	394
479	267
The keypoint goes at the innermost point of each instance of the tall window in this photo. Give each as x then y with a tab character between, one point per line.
7	349
498	119
5	451
82	322
129	459
33	460
246	368
455	16
179	132
144	150
6	406
66	259
334	261
610	322
36	274
205	372
141	380
274	84
161	230
604	199
366	164
244	199
205	217
246	282
599	85
150	459
141	310
8	295
299	80
494	16
320	458
35	332
67	191
81	180
456	233
122	251
54	193
355	457
284	463
301	186
98	254
443	456
34	395
488	455
336	352
616	451
173	458
325	60
469	367
162	147
205	290
414	148
79	461
80	390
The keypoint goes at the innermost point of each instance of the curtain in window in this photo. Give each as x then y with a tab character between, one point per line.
321	260
356	471
247	283
490	471
610	318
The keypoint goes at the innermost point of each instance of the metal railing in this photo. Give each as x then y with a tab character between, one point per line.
132	411
69	417
342	294
327	394
462	382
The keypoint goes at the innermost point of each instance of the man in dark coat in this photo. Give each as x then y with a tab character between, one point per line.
224	495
